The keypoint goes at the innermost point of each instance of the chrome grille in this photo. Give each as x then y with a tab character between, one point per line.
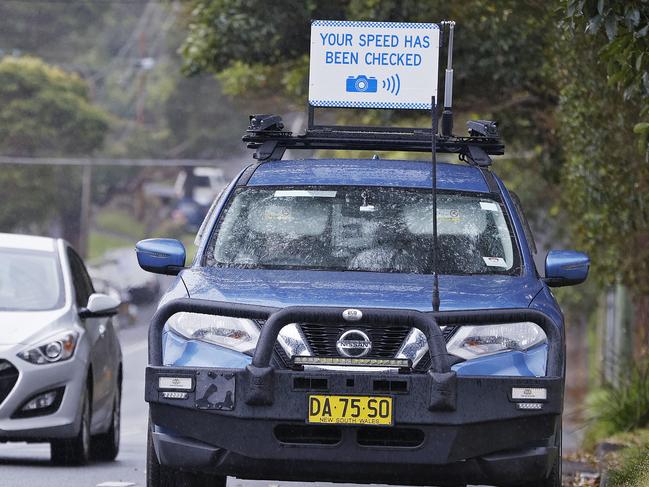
386	340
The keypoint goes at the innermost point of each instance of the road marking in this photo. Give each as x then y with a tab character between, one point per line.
136	347
115	484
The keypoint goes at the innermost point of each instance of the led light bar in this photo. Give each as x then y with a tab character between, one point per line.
174	395
366	362
529	406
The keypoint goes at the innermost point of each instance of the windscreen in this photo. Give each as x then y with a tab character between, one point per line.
29	281
362	229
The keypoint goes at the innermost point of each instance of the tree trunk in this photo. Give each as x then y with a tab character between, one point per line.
641	326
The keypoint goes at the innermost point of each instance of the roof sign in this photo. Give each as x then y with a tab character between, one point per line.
373	64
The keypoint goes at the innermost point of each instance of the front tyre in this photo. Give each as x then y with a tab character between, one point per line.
162	476
106	446
75	451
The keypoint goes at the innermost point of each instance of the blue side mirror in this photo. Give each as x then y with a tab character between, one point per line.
161	255
566	267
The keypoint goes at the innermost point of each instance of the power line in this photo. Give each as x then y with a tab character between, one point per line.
104	161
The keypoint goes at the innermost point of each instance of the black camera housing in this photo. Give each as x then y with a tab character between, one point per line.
483	128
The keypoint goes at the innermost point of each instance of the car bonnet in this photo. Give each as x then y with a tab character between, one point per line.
281	288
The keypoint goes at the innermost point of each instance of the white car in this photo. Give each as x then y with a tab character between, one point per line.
60	359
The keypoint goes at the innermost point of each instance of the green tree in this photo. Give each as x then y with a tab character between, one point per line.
621	32
44	111
604	98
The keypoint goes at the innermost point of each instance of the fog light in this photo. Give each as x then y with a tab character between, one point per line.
44	403
41	401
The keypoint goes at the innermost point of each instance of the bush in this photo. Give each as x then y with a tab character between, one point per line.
622	408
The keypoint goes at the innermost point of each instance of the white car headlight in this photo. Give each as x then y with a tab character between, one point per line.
478	341
238	334
55	349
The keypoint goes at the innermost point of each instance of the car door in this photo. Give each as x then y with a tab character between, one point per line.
96	331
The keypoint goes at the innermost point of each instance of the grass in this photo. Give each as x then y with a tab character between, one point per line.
629	467
620	409
100	243
120	222
116	228
191	249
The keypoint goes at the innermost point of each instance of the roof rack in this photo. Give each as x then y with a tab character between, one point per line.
267	136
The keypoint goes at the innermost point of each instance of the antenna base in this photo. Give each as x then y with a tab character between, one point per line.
447	122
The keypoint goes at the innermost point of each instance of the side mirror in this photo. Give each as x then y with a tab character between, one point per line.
566	268
99	306
161	255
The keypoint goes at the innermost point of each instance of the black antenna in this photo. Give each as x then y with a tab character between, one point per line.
447	114
436	301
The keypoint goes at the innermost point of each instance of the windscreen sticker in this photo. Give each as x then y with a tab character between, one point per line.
494	261
297	193
489	206
279	214
451	215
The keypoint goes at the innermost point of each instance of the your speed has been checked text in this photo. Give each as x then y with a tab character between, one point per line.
378	41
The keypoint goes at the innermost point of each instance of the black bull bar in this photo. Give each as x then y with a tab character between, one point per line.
260	374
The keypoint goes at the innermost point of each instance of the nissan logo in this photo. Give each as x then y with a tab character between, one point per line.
354	344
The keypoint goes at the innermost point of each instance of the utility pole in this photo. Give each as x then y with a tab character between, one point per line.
84	224
86	198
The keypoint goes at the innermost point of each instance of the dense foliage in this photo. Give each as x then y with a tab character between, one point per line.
602	114
622	408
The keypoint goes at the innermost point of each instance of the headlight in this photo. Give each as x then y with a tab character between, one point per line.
478	341
56	349
238	334
234	333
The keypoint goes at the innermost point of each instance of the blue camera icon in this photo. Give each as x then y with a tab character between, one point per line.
361	84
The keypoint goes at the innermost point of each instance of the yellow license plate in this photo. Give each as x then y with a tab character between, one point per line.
375	410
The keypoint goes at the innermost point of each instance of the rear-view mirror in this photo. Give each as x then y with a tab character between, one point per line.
161	255
566	268
100	305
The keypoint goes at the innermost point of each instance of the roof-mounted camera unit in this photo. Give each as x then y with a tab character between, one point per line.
483	128
265	123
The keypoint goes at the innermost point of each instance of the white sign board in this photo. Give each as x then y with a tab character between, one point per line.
373	64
